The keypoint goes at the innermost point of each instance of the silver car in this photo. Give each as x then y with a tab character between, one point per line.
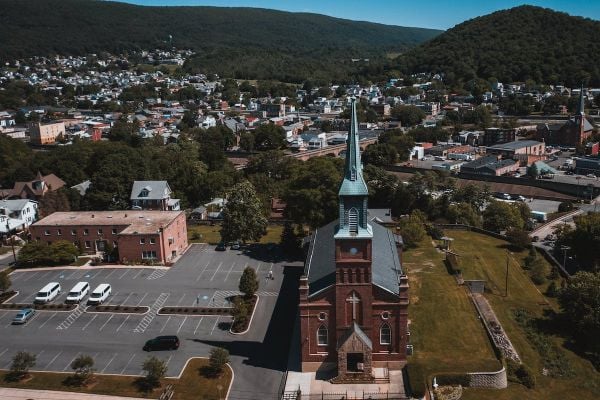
23	316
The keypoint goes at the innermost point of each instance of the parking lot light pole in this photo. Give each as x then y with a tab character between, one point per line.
565	249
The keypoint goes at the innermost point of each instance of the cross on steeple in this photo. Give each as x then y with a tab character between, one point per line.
354	300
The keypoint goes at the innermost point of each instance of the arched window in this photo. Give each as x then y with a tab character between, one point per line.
322	339
385	334
353	220
353	174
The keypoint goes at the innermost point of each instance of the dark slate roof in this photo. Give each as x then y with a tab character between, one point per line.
320	262
517	144
359	332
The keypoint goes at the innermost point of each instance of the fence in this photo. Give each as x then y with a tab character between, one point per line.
344	396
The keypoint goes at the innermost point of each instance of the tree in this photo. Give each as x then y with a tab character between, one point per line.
290	241
155	369
5	282
243	215
519	238
269	137
500	216
219	357
412	230
248	282
59	252
380	154
83	366
533	171
584	240
408	115
239	312
580	304
247	141
21	363
463	213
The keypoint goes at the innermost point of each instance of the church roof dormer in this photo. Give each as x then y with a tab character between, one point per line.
353	183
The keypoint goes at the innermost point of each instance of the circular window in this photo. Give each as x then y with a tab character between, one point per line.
322	316
353	251
385	315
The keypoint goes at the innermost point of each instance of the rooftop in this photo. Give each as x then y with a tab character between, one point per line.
518	144
136	222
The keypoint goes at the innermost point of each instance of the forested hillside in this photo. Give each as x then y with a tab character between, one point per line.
245	42
520	44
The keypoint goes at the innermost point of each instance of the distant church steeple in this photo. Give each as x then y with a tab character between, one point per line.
353	193
581	109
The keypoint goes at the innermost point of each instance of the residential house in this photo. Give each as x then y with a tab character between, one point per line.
153	195
17	215
35	189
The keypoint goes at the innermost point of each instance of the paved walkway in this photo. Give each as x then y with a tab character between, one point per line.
30	394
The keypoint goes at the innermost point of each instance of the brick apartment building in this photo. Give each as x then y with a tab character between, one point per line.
157	236
42	134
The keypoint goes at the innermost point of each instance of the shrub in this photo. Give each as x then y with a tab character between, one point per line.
566	206
552	290
519	238
155	370
525	376
416	379
538	273
453	379
218	358
21	363
83	366
240	313
435	231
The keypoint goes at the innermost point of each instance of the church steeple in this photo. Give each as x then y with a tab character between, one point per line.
353	193
581	109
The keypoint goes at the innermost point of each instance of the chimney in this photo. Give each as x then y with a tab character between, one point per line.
92	215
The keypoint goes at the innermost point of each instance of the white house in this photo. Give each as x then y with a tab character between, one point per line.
17	215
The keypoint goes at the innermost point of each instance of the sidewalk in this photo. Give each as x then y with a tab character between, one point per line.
30	394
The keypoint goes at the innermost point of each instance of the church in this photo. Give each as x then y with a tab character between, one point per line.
353	292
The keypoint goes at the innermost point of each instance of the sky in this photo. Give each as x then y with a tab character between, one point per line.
436	14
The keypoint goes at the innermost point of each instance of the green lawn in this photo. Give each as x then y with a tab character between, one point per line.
484	257
210	234
192	385
446	334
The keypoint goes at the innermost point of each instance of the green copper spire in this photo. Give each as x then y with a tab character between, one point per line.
353	193
581	110
353	183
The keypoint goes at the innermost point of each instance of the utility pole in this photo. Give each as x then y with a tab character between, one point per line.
565	249
506	282
12	242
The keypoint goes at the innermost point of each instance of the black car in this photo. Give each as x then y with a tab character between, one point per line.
221	247
162	343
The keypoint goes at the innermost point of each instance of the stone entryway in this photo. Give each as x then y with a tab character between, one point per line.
354	357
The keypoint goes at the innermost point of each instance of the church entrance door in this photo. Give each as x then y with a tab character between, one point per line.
355	362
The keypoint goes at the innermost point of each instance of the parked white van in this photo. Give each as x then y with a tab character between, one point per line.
48	293
78	292
100	294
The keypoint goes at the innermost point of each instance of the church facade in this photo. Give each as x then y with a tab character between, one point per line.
353	293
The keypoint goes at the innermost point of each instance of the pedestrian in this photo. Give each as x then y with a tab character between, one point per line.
271	275
198	299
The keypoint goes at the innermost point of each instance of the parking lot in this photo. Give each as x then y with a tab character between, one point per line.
202	277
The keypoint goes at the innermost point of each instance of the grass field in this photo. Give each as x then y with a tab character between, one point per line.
192	385
210	234
457	340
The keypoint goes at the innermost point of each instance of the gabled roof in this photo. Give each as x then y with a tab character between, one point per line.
355	330
157	190
319	267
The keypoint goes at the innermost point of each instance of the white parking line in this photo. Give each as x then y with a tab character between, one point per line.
109	318
96	274
165	325
123	323
127	365
203	269
142	299
230	269
180	300
217	270
73	274
54	359
125	273
112	272
127	298
91	320
46	321
37	356
258	268
2	316
31	276
185	319
215	325
198	325
138	274
168	360
111	360
70	362
1	354
113	296
45	273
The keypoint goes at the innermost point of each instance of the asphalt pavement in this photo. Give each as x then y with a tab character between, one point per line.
202	277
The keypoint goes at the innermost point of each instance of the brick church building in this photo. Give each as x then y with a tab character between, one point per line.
574	132
353	293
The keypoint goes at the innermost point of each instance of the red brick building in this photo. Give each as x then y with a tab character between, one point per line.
353	293
157	236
